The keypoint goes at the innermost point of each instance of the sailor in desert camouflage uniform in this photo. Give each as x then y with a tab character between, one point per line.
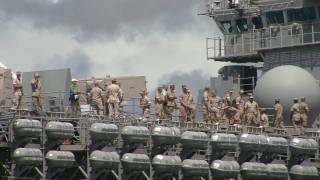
145	104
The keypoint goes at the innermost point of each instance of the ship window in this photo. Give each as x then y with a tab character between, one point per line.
303	14
275	17
242	25
257	22
226	26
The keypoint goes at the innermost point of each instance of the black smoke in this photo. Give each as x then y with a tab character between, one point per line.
97	18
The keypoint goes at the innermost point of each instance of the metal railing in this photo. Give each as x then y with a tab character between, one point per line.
230	46
225	7
222	6
272	37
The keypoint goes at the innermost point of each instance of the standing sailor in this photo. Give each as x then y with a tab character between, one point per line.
251	112
159	101
205	104
240	98
113	91
191	109
171	100
74	97
304	111
18	91
214	110
145	104
96	96
183	103
36	94
121	99
264	119
229	97
295	114
277	115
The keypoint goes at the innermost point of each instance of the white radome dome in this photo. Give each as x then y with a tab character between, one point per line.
288	82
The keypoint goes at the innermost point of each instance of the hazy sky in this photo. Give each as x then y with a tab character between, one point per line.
161	39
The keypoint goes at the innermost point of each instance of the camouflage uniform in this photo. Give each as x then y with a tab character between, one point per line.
278	118
164	93
145	105
238	114
36	94
221	106
230	115
304	110
113	91
251	113
121	99
206	104
17	87
295	115
96	95
214	111
229	111
183	98
171	100
240	101
228	97
159	101
191	109
264	120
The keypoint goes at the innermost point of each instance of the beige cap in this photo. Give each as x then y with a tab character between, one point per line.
74	80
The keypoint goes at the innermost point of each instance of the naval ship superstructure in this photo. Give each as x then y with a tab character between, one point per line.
275	32
57	145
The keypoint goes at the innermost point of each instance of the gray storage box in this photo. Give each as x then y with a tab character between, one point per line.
27	156
252	142
277	172
277	145
192	139
251	170
102	132
27	128
135	162
60	159
220	141
135	134
299	146
59	130
225	169
298	172
104	160
166	164
166	135
195	168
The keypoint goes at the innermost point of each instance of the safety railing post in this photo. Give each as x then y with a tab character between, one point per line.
242	43
220	47
312	32
252	84
234	44
281	40
302	35
270	36
207	48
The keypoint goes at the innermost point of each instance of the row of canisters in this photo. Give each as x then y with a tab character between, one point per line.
100	160
171	136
